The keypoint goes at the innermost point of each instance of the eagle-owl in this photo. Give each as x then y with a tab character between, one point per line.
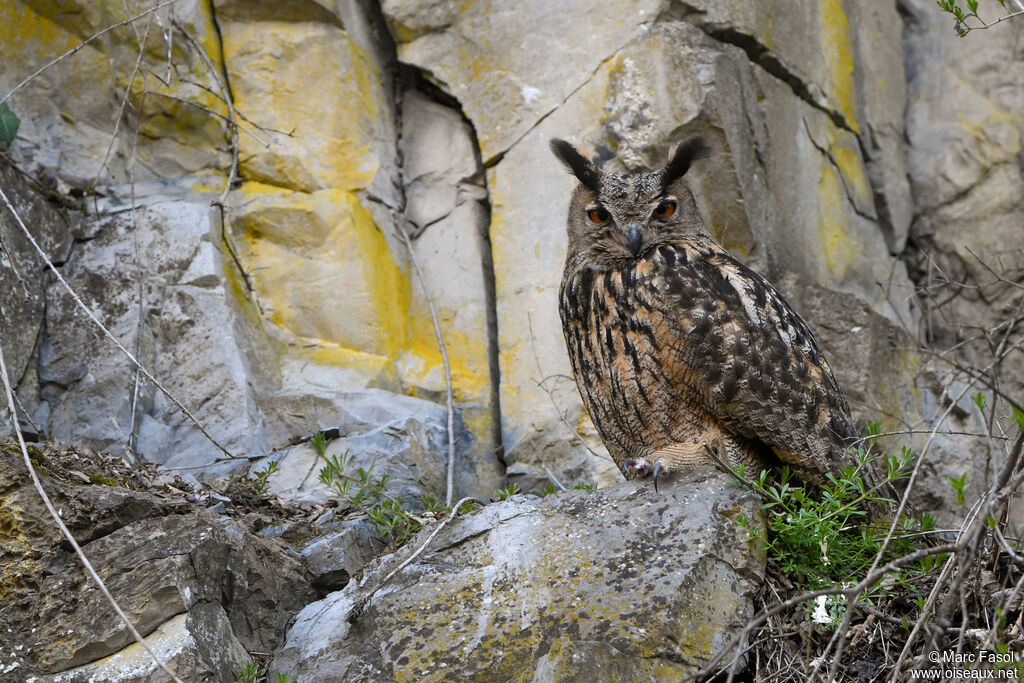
676	345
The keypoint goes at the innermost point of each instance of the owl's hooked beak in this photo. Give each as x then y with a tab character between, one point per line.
634	239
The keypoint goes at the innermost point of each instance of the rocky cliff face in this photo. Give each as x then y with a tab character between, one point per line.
866	160
849	151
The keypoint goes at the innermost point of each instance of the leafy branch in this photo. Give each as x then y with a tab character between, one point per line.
961	26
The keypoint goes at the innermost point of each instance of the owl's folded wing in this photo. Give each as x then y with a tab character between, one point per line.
730	337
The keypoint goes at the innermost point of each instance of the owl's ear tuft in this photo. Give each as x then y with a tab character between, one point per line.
688	152
577	162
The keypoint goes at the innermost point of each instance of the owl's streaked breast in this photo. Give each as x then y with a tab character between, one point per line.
628	372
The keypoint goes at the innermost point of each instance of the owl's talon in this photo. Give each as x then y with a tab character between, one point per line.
636	467
657	470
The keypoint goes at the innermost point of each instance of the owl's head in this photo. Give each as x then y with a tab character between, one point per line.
616	219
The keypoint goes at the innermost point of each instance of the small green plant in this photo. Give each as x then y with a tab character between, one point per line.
961	16
254	674
9	123
547	490
821	539
319	442
508	491
584	487
959	485
1018	417
261	480
979	400
255	486
369	493
251	674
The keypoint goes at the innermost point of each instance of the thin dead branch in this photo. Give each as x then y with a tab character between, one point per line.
9	390
225	97
443	348
85	42
106	332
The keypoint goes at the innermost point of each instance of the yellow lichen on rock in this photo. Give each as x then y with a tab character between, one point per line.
307	79
839	58
422	368
320	269
838	249
323	277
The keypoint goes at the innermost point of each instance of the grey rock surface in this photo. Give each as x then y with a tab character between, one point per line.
965	123
402	437
340	553
622	582
162	265
207	588
23	274
197	645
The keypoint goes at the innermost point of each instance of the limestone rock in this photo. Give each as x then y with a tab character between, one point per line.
798	199
402	437
615	583
193	579
321	274
197	645
69	112
510	65
436	183
177	277
299	74
965	123
23	275
449	218
341	553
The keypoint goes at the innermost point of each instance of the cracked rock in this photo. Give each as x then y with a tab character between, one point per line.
192	579
616	584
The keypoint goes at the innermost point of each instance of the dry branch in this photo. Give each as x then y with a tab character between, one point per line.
83	44
443	348
9	390
106	332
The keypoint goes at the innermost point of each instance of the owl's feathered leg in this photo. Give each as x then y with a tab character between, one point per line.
684	456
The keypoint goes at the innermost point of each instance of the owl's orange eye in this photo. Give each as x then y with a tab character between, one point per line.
598	215
665	209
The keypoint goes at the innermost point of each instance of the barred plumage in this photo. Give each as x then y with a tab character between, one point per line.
676	345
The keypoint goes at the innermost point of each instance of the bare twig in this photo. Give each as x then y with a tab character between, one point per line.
551	397
360	604
106	332
83	44
124	102
554	479
443	348
858	589
8	389
225	97
227	119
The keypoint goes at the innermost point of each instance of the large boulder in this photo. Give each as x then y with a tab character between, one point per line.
626	583
204	589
